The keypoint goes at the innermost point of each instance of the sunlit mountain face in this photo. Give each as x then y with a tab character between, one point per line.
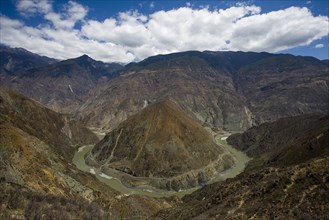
164	109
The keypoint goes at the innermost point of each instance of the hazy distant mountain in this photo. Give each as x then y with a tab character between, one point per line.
18	59
62	85
287	179
230	90
165	146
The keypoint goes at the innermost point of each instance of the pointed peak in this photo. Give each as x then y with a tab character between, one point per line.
84	59
84	56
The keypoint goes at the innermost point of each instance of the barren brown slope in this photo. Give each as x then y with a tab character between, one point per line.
51	127
205	91
162	141
37	178
287	141
289	180
37	183
284	85
228	90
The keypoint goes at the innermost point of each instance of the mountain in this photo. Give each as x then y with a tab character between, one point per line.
37	177
17	59
228	90
291	186
163	145
50	127
155	112
61	86
284	85
326	62
277	142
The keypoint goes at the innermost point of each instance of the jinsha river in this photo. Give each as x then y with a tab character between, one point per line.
240	162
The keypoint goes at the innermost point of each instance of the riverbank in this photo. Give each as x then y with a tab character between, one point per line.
240	160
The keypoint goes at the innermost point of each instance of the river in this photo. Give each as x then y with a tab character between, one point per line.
240	162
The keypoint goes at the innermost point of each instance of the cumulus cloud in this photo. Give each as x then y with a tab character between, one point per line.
134	36
73	12
319	46
32	7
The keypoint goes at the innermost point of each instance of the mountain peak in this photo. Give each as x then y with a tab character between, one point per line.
85	57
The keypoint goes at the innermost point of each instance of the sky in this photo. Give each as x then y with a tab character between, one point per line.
131	30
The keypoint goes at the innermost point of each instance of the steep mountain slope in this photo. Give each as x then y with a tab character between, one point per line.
207	92
229	90
61	86
284	85
164	145
292	186
18	59
45	124
37	178
278	142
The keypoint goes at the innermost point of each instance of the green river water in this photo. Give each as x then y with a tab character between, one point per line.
240	162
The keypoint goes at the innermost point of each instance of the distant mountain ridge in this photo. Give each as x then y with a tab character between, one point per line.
60	86
229	90
18	59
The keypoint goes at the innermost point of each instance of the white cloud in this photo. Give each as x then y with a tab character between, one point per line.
152	5
319	46
32	7
278	30
72	13
132	35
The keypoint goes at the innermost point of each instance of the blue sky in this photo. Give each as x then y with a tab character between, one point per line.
125	31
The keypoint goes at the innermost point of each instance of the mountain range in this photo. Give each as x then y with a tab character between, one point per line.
229	90
60	85
161	118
